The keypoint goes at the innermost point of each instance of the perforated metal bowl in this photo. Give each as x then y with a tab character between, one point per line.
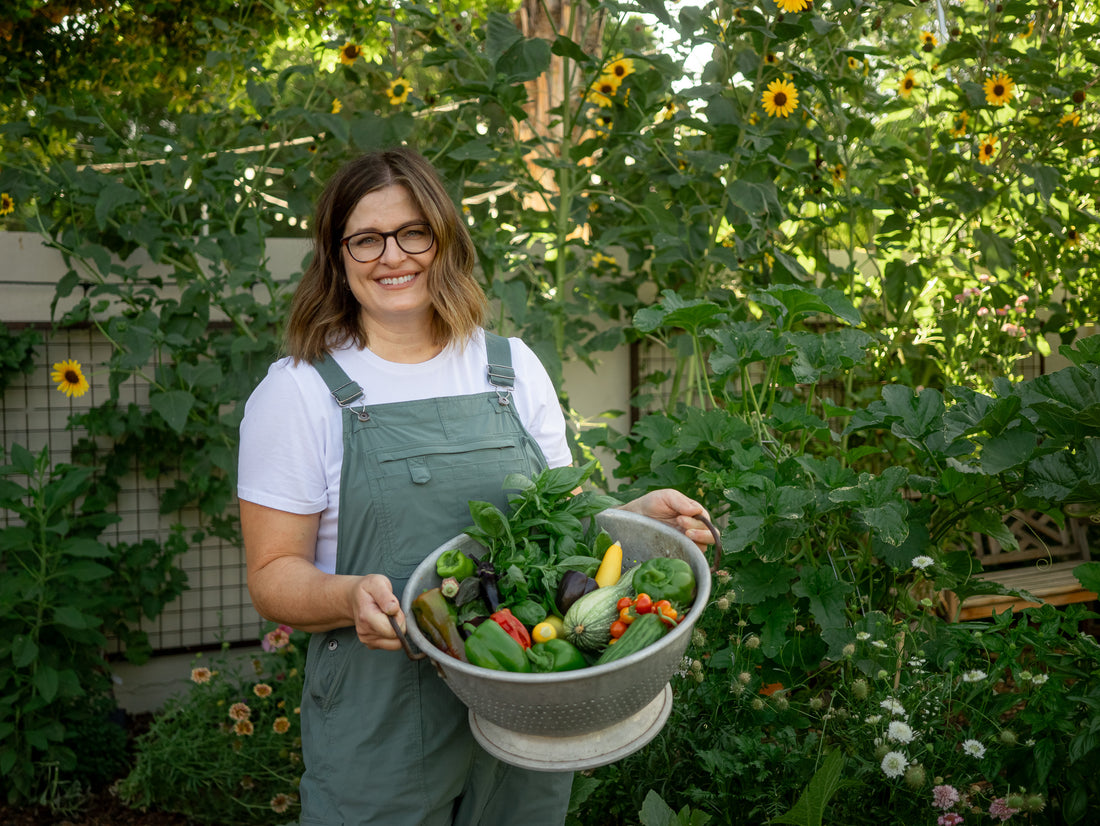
572	703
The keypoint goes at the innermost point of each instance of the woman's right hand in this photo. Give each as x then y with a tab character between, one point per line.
373	603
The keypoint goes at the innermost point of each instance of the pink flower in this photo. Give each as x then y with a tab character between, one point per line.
959	298
1021	299
277	638
1002	310
944	797
983	311
949	819
1000	809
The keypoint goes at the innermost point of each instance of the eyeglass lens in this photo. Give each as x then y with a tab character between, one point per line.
369	246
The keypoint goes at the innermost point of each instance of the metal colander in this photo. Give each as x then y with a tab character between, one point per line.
572	703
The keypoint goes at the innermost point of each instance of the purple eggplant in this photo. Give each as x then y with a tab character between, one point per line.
573	586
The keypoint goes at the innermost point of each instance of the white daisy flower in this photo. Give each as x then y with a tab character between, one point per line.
974	675
921	562
899	732
894	764
973	748
892	705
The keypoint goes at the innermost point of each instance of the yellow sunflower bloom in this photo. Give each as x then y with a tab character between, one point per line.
69	378
7	204
350	53
337	106
1073	238
599	99
988	149
619	68
398	91
839	173
1070	119
771	58
607	85
960	125
792	6
780	99
907	85
853	63
998	90
928	41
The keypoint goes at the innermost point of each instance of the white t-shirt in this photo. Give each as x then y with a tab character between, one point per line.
292	449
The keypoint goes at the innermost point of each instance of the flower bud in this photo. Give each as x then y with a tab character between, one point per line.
696	666
816	703
1034	803
782	703
752	641
849	650
757	704
722	603
859	689
1008	738
744	678
915	776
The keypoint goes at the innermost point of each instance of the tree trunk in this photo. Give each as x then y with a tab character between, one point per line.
547	120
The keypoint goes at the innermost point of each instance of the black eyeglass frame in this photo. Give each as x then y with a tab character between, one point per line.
385	236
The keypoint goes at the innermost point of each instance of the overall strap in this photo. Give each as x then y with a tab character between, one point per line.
498	352
345	391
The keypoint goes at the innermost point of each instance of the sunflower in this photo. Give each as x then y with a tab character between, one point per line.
928	41
960	124
619	68
907	85
1070	119
780	99
987	149
792	6
599	99
998	90
336	106
607	85
398	91
853	63
839	173
70	378
1073	238
350	53
771	58
7	204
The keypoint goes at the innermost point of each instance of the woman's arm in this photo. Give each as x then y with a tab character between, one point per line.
286	587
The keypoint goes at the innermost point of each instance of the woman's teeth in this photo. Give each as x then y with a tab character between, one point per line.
404	279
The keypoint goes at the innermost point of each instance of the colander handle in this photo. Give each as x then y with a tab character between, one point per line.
717	543
412	655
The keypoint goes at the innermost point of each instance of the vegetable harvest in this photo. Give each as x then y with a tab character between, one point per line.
552	592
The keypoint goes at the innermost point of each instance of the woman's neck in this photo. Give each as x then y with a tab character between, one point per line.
411	344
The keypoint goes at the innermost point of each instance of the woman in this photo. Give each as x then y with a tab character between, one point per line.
359	454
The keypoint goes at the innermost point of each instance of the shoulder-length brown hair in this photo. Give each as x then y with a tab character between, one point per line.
325	314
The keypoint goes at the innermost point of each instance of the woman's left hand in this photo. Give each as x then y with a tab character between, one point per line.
675	509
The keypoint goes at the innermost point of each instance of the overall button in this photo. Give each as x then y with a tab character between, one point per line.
333	645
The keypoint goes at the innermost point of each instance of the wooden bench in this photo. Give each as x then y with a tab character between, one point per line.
1042	566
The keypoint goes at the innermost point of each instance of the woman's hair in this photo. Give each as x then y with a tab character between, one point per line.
325	314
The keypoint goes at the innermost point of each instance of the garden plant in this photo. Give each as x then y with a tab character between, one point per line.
844	225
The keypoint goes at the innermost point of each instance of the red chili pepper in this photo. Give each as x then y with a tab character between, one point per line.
516	629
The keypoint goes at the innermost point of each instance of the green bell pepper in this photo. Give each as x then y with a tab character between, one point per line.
454	563
555	655
666	578
490	646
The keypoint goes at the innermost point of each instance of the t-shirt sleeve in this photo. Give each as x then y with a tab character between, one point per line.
538	405
282	446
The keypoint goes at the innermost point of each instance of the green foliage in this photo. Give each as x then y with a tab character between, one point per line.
228	751
16	354
64	593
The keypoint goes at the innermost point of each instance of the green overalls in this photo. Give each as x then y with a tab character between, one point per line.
383	738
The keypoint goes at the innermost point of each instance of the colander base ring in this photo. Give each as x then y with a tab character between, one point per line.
582	751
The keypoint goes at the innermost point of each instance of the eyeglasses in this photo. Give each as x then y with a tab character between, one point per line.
365	247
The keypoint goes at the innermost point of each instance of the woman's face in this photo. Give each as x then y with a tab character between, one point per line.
394	288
